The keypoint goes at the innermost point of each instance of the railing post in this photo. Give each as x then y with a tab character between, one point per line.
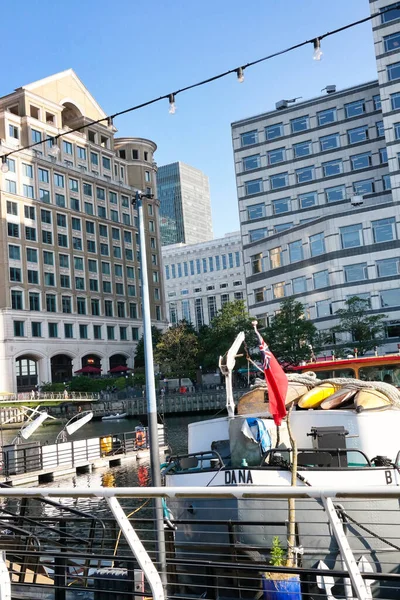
60	566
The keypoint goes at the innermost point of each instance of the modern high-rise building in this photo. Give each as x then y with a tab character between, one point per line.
70	297
201	278
319	193
185	208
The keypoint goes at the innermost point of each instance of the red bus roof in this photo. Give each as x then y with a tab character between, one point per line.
347	362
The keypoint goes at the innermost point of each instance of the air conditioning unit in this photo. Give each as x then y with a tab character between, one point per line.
357	200
330	89
281	104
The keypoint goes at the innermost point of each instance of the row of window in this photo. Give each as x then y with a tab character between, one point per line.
108	308
203	265
186	312
54	331
303	149
300	124
351	236
209	288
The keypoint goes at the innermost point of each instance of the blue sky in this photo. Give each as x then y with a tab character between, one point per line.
129	51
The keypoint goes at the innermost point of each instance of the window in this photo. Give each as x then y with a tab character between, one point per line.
33	276
77	243
95	307
13	230
354	108
388	267
11	165
53	330
329	142
274	131
43	175
278	290
15	274
304	174
81	153
97	332
88	208
324	308
295	251
279	180
60	200
356	272
67	146
16	300
107	287
248	138
335	194
14	252
126	219
11	186
383	156
103	230
131	290
105	268
380	130
123	333
387	184
68	331
259	294
302	149
326	116
299	124
49	279
390	13
118	270
321	279
299	285
361	161
104	250
308	200
78	263
34	301
395	101
393	71
62	240
51	303
79	283
81	306
251	162
333	167
12	208
390	297
135	154
83	332
94	159
128	239
61	220
258	234
106	163
58	180
74	203
115	219
393	329
66	304
101	212
367	186
44	196
384	230
275	256
30	234
359	134
117	252
351	236
276	156
110	332
13	131
87	189
36	329
391	42
19	328
256	263
48	258
31	255
113	198
282	227
317	244
27	191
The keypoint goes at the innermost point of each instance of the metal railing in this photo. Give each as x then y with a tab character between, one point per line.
21	397
207	553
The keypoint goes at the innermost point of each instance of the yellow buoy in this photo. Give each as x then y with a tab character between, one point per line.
315	397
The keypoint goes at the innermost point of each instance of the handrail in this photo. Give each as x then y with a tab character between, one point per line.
337	451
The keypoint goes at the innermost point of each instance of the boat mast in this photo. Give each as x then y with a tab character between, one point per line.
226	365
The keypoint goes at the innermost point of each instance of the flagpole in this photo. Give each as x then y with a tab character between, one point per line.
291	501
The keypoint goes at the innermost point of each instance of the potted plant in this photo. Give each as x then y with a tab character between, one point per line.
280	586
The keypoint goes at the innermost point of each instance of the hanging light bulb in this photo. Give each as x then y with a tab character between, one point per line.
172	106
317	49
4	166
54	150
240	74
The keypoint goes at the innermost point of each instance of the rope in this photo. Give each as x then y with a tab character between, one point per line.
128	516
344	515
392	393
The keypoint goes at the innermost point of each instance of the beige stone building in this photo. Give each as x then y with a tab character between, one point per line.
70	297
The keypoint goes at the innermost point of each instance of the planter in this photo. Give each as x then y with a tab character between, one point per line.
281	587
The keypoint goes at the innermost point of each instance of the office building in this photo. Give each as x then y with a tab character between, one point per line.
318	190
201	278
70	297
185	208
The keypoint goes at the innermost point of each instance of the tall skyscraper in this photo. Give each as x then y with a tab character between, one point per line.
318	188
70	295
185	208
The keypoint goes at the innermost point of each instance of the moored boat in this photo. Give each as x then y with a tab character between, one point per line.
114	417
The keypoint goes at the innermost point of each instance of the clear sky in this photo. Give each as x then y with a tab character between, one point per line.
129	51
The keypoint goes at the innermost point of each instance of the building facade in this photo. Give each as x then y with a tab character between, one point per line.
69	251
318	189
185	207
201	278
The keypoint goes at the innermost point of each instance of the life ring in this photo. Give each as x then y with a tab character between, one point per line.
140	439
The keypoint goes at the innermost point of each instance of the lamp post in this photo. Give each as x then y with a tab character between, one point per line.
137	202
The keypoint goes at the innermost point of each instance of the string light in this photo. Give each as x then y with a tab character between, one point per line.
4	166
54	150
240	74
172	107
316	41
317	49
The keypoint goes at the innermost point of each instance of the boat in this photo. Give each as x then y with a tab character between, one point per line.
350	444
114	417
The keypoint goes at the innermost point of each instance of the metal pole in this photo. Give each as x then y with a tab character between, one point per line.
151	393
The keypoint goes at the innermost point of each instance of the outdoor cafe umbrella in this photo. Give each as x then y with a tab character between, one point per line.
89	369
120	369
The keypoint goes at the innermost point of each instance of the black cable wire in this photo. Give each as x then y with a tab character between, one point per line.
241	68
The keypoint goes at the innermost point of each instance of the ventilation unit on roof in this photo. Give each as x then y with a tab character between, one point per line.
281	104
329	89
356	200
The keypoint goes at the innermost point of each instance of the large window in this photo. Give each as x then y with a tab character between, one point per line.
333	167
279	180
395	101
274	131
256	211
351	236
278	290
354	109
326	116
392	42
367	186
390	297
317	244
299	124
251	162
356	272
276	156
329	142
299	285
258	234
275	257
384	230
248	138
281	206
307	200
305	174
255	186
323	308
321	279
296	251
302	149
393	71
359	134
390	13
388	267
256	263
361	161
16	300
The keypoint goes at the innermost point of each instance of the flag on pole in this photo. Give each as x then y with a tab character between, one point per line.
276	379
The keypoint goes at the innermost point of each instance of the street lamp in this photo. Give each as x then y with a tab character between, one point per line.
137	202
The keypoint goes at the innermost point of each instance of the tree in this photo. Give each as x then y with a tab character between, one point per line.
366	331
291	337
216	339
139	355
177	350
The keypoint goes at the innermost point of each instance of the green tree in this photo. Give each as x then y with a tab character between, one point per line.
156	335
177	350
291	337
366	331
216	339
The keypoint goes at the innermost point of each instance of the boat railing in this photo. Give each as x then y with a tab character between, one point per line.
196	461
310	457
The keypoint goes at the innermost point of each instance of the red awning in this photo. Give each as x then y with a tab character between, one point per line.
120	369
89	369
